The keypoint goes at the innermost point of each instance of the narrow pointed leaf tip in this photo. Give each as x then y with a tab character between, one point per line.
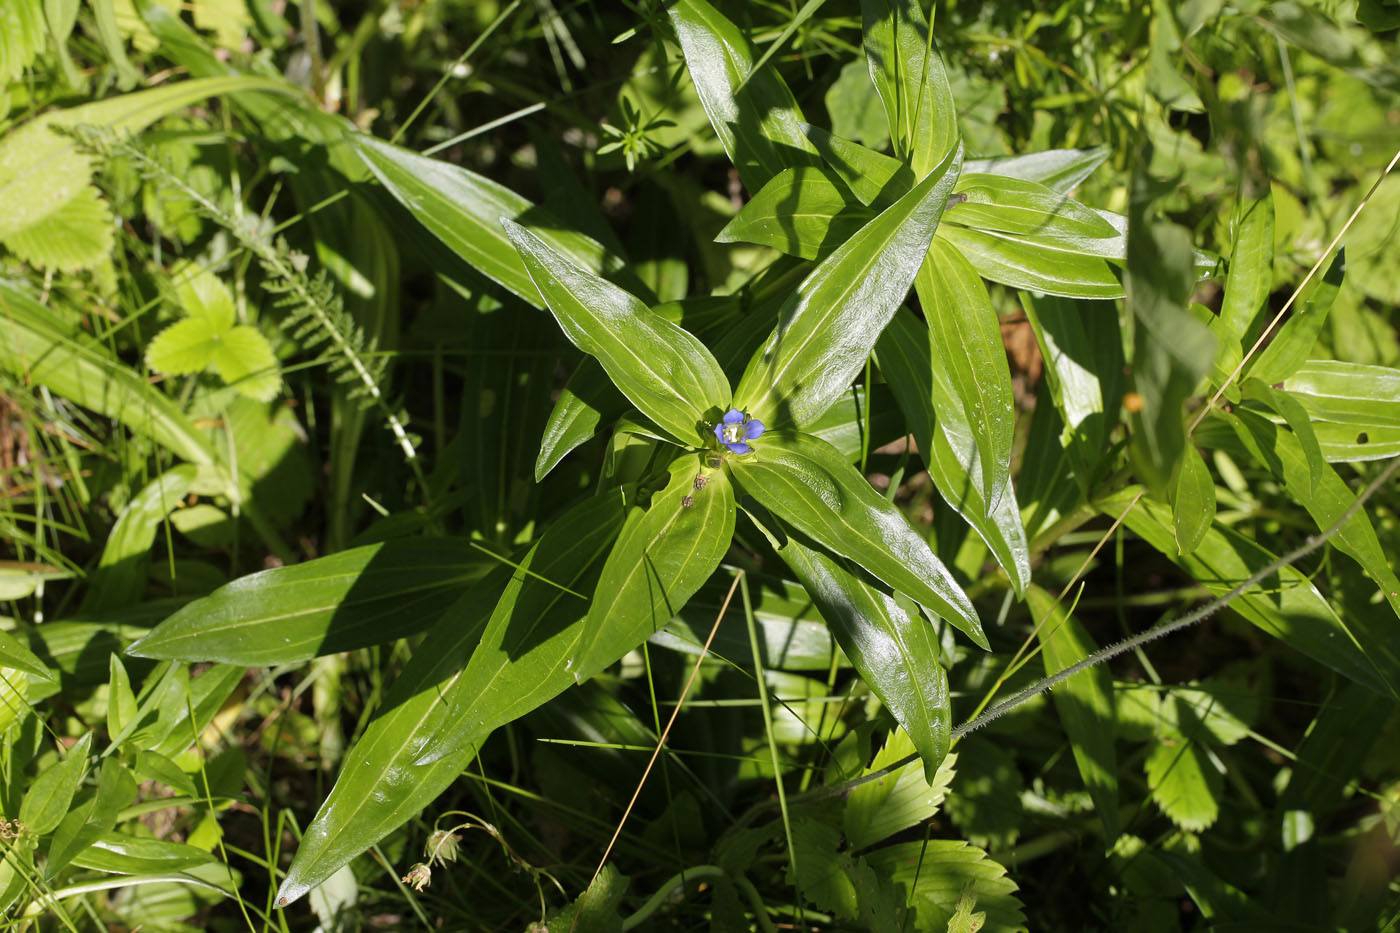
735	428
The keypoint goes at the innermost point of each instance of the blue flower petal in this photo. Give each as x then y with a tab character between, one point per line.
753	428
740	448
719	432
733	416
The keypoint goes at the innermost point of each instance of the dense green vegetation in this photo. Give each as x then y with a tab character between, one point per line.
631	465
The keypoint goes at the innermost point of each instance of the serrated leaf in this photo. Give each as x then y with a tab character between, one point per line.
1084	702
77	234
935	417
828	327
184	347
911	81
897	654
906	797
806	483
244	360
1184	783
662	369
203	295
759	126
802	211
661	558
359	597
41	170
937	873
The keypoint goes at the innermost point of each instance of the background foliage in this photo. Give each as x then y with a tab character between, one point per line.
364	520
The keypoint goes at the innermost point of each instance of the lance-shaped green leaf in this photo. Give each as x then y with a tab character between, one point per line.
662	557
662	369
931	408
120	578
1247	286
1326	499
1192	496
586	400
1171	349
1288	351
505	650
1059	170
828	327
1084	702
895	652
353	599
1074	268
759	126
464	210
965	342
909	76
804	211
1013	205
1083	353
877	180
1347	393
806	483
1285	406
1287	606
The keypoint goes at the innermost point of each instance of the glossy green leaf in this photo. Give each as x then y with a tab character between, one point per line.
662	369
1192	497
1284	454
877	180
1171	349
464	210
1284	405
1287	606
802	211
121	701
186	708
896	653
1059	170
1354	443
1247	286
153	766
586	400
1084	702
759	126
527	650
1083	353
807	484
1038	264
120	578
965	342
127	855
661	558
363	596
909	76
380	787
85	824
47	799
934	414
1288	350
1013	205
844	424
1347	393
828	327
1184	782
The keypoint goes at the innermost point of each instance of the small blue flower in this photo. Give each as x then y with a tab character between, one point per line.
736	428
